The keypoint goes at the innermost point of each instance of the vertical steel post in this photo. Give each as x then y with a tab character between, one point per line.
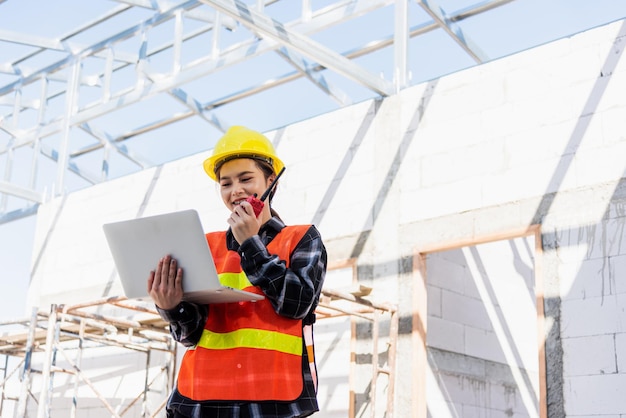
70	108
146	385
171	375
4	378
307	11
393	343
25	376
7	177
400	44
374	386
108	75
79	356
178	42
352	376
43	411
41	121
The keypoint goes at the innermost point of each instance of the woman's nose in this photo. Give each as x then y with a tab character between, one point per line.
238	189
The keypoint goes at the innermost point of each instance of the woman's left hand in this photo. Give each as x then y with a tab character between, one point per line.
165	283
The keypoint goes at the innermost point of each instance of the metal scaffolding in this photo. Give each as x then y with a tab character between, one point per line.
135	325
78	328
354	304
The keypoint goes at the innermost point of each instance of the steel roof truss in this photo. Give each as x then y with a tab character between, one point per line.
99	46
320	20
204	66
267	27
289	40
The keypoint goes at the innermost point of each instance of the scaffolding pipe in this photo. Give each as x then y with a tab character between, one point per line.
44	396
25	377
373	385
78	372
79	356
145	391
356	299
146	386
393	340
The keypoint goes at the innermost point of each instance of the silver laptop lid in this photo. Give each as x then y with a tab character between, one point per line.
137	245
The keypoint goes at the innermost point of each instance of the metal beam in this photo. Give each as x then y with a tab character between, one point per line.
195	106
312	73
21	192
267	27
401	44
197	14
31	40
105	139
24	104
478	8
19	214
440	16
76	31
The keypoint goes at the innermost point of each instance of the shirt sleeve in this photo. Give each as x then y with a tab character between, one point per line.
293	291
186	322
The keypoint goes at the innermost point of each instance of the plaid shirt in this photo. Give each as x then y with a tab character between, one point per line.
293	292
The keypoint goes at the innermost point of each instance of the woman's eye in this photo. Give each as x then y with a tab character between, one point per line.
245	179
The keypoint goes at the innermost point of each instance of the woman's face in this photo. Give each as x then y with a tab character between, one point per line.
239	179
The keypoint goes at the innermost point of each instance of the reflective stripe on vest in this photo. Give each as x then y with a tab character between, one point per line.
247	352
235	280
251	338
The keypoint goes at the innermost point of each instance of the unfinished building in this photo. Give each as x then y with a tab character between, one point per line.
473	223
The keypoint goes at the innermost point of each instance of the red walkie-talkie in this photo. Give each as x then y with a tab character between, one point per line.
257	204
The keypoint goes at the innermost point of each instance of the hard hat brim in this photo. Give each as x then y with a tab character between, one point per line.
214	162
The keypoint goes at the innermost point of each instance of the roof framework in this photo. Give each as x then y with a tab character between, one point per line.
137	83
66	101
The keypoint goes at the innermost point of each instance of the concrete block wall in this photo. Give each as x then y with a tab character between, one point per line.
594	322
536	138
482	330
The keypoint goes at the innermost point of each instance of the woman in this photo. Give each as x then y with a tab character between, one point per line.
247	359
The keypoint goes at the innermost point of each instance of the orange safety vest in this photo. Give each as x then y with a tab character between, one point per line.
247	351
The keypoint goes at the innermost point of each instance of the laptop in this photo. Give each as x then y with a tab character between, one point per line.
137	245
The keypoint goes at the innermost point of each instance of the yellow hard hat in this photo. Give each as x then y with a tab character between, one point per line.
241	142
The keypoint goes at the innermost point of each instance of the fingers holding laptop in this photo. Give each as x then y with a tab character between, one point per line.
165	283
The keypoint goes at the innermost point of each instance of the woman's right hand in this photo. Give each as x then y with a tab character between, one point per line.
165	283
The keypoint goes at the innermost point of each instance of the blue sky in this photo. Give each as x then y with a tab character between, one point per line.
527	23
16	243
